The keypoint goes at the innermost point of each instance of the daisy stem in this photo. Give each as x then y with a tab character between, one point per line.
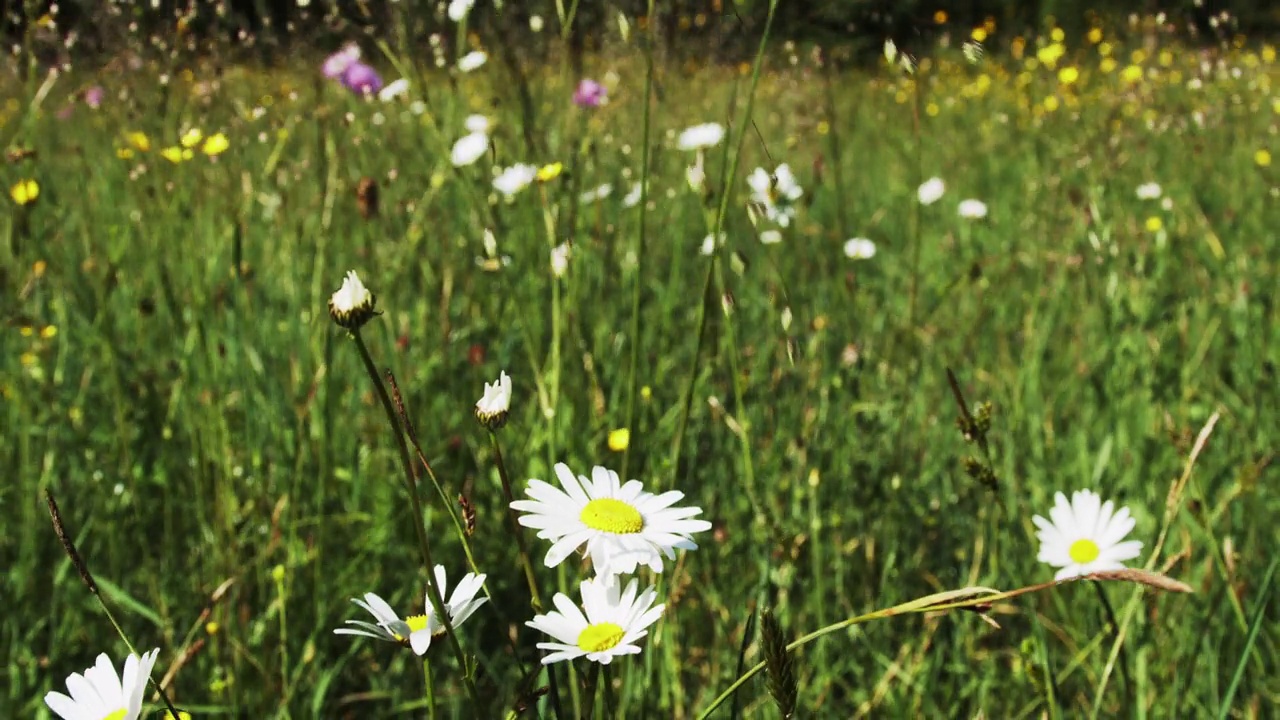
1114	627
433	593
431	688
589	691
515	525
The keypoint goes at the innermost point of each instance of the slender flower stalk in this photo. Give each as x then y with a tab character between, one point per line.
350	307
516	530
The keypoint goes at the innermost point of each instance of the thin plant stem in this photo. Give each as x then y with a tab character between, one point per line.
515	525
431	688
69	546
1114	627
433	592
637	287
590	690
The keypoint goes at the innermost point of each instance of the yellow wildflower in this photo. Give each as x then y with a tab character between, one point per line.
139	141
619	439
1154	224
550	171
1095	35
1262	157
124	153
175	154
940	17
25	192
215	144
1057	35
1068	75
1049	55
1131	74
192	137
979	34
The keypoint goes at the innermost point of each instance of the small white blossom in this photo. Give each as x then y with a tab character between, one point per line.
472	61
930	191
701	137
972	209
514	179
491	409
469	149
859	249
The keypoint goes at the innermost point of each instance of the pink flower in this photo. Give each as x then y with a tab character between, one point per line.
590	94
336	64
93	96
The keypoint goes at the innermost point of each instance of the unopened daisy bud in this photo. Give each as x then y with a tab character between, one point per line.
352	305
491	409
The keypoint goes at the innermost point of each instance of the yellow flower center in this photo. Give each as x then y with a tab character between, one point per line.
1084	551
600	636
116	715
415	623
613	516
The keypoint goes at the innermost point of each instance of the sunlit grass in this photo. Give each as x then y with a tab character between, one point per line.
170	369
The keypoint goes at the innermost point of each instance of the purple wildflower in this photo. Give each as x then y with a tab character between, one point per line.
338	63
93	96
590	94
362	79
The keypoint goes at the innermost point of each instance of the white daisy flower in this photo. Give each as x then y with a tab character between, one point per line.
472	61
560	260
615	620
476	124
492	407
514	179
394	90
859	249
776	192
1084	535
458	9
100	693
596	194
622	525
352	305
700	137
469	149
930	191
632	198
710	243
417	631
972	209
770	237
696	175
1149	191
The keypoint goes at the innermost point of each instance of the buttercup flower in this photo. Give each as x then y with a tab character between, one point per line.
622	525
25	192
469	149
972	209
590	94
930	191
352	305
614	621
550	171
215	144
491	409
472	61
776	192
859	249
700	137
619	439
417	631
101	694
1084	536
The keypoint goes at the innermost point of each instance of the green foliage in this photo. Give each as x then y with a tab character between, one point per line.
170	371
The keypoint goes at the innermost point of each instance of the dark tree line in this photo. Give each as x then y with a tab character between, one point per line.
718	28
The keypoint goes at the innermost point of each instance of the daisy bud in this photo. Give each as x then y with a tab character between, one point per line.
491	409
352	305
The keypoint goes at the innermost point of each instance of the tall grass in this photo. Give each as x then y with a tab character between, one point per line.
225	468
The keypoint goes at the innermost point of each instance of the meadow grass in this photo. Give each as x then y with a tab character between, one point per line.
170	372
